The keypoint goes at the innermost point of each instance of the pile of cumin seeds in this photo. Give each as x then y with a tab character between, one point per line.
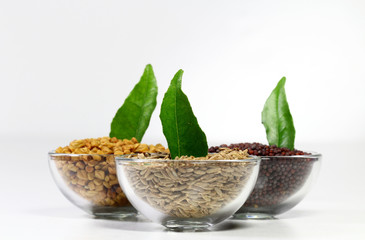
189	189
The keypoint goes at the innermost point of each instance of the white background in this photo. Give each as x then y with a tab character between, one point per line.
67	66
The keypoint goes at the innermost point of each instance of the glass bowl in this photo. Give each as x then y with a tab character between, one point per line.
90	182
282	183
187	194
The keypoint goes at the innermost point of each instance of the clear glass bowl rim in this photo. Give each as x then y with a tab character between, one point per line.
292	157
123	158
53	153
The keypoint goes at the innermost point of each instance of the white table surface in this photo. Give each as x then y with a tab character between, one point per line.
33	208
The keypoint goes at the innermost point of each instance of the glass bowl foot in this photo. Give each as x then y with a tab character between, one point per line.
114	212
254	216
186	225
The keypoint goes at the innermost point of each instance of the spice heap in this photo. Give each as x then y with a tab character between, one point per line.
190	190
279	178
107	145
93	174
259	149
224	153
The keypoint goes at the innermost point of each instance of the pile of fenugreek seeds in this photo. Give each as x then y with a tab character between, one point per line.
190	189
92	174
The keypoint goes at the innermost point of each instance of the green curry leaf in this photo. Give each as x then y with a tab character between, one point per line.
180	126
133	117
277	118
